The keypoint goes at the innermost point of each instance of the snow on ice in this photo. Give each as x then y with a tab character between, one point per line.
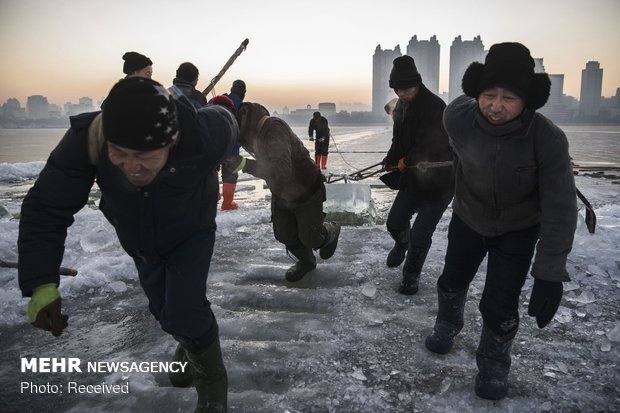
340	340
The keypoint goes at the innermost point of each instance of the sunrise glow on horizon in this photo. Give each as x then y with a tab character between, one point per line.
300	53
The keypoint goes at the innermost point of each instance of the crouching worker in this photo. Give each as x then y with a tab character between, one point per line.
153	158
296	184
514	195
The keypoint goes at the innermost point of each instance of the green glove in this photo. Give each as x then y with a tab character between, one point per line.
240	166
44	309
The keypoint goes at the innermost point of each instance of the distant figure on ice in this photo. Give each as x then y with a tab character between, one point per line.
319	124
418	135
185	81
153	158
515	193
137	64
229	178
296	184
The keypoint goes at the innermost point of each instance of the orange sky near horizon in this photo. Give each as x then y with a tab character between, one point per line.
299	53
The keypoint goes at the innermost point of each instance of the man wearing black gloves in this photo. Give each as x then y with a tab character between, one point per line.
515	194
418	137
153	158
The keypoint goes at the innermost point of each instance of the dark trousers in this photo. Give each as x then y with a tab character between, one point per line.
299	223
176	288
509	258
321	147
429	214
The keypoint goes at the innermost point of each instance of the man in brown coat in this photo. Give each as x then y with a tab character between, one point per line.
296	184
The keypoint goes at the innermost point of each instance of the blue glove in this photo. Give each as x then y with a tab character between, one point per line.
545	300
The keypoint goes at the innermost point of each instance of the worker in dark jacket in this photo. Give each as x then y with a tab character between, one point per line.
153	158
229	178
319	126
418	138
514	195
186	80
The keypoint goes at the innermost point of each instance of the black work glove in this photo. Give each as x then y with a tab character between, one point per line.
545	300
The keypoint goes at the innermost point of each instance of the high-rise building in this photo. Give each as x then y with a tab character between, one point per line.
426	56
381	67
462	54
591	89
557	90
37	106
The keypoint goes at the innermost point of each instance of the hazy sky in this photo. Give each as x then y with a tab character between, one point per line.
300	52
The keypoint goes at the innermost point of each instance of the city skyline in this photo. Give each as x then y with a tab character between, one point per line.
297	55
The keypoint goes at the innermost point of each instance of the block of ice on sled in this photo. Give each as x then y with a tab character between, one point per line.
349	204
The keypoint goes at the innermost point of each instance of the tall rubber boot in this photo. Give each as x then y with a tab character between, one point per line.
229	194
412	270
210	378
181	378
493	360
323	161
332	233
449	321
396	256
306	263
317	160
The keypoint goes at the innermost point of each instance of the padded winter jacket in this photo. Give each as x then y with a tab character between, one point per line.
515	176
419	135
149	221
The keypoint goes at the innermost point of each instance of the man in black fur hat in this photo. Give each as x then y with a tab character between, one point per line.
418	136
514	195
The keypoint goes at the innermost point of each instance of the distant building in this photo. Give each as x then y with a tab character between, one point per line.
381	68
12	109
425	53
539	67
85	105
327	109
591	89
462	54
37	107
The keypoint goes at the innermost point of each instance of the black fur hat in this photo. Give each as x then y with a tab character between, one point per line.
508	65
404	74
140	114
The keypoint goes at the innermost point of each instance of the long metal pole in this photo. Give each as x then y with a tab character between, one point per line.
230	61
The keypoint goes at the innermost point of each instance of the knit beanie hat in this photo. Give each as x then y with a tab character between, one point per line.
508	65
404	74
188	72
135	61
139	114
238	88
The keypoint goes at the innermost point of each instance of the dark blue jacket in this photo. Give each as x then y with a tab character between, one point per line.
150	221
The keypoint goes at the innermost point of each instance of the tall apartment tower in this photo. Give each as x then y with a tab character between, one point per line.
37	106
381	67
426	56
462	54
591	89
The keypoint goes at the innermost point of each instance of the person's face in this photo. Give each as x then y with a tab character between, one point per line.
140	167
144	72
499	105
407	95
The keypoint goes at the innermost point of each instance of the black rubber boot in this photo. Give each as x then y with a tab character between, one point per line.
449	320
306	263
412	270
493	360
396	256
210	377
181	379
332	233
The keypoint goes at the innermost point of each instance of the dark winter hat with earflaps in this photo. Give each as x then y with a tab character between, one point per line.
139	114
404	74
511	66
